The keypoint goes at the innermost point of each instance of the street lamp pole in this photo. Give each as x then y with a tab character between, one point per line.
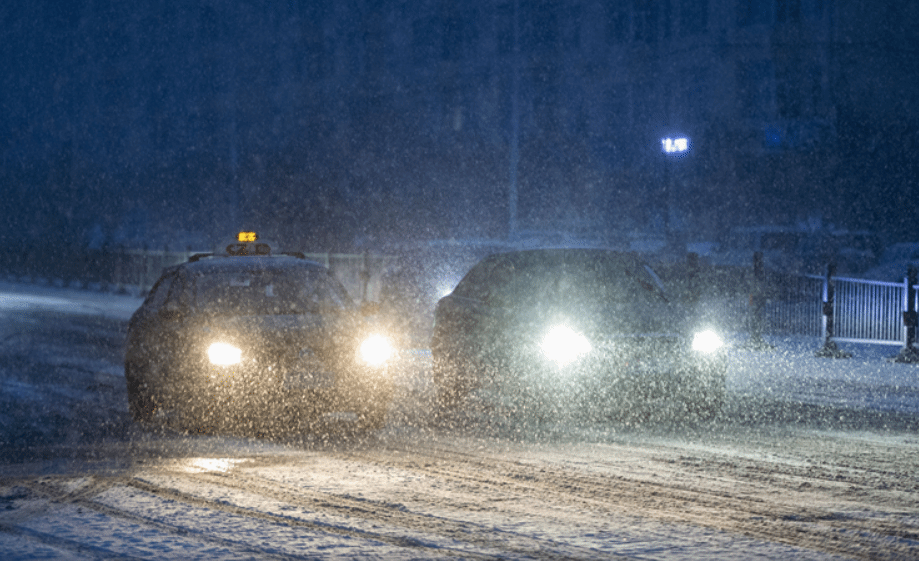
673	148
514	155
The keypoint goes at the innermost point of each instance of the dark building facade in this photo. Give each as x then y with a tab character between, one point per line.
368	119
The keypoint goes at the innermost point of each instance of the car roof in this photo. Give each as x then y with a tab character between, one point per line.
562	255
224	264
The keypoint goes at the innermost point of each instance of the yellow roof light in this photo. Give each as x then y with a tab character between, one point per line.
244	237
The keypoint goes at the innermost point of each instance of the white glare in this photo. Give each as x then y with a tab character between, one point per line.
376	349
675	145
707	341
563	345
203	465
223	354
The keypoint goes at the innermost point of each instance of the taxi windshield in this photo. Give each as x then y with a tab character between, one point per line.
268	292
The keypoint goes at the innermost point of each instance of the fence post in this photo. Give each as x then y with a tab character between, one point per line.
830	349
908	353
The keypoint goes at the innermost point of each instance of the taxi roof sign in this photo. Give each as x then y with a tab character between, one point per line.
246	244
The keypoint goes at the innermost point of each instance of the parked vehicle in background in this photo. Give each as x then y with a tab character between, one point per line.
585	330
793	249
895	262
250	338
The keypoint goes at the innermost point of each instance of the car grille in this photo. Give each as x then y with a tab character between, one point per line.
643	353
300	366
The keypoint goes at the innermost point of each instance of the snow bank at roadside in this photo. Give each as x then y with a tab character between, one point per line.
21	297
791	371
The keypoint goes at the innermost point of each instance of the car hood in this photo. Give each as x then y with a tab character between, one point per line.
269	331
603	319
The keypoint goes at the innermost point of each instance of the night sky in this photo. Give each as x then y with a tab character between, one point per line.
347	125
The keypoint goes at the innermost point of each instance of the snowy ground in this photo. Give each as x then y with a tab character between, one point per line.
810	459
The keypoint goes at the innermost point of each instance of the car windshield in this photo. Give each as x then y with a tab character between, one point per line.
564	278
268	292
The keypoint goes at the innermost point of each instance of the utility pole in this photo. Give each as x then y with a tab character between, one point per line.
514	157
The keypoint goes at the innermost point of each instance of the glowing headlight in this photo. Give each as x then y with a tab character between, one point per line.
223	354
376	349
707	341
563	345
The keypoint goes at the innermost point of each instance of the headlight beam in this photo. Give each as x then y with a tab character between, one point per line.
376	350
224	354
707	341
563	345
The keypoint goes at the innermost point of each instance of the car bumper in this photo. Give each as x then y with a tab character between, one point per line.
606	378
272	393
651	376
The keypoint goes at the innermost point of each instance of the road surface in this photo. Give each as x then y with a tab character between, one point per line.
774	476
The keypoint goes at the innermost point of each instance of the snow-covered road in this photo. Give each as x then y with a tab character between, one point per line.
811	459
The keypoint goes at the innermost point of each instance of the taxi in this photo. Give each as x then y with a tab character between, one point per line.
250	338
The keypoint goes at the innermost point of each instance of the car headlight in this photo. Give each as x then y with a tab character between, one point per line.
707	341
376	349
223	354
563	345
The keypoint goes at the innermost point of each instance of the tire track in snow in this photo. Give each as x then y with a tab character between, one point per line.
788	505
462	538
83	493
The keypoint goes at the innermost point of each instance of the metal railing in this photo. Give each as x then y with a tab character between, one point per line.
796	307
864	311
868	311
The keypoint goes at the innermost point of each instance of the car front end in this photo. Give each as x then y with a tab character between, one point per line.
601	369
286	370
609	372
581	329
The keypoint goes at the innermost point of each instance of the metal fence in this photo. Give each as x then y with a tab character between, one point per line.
864	311
795	306
867	311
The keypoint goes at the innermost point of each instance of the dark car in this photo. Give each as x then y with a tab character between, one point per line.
253	339
587	329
